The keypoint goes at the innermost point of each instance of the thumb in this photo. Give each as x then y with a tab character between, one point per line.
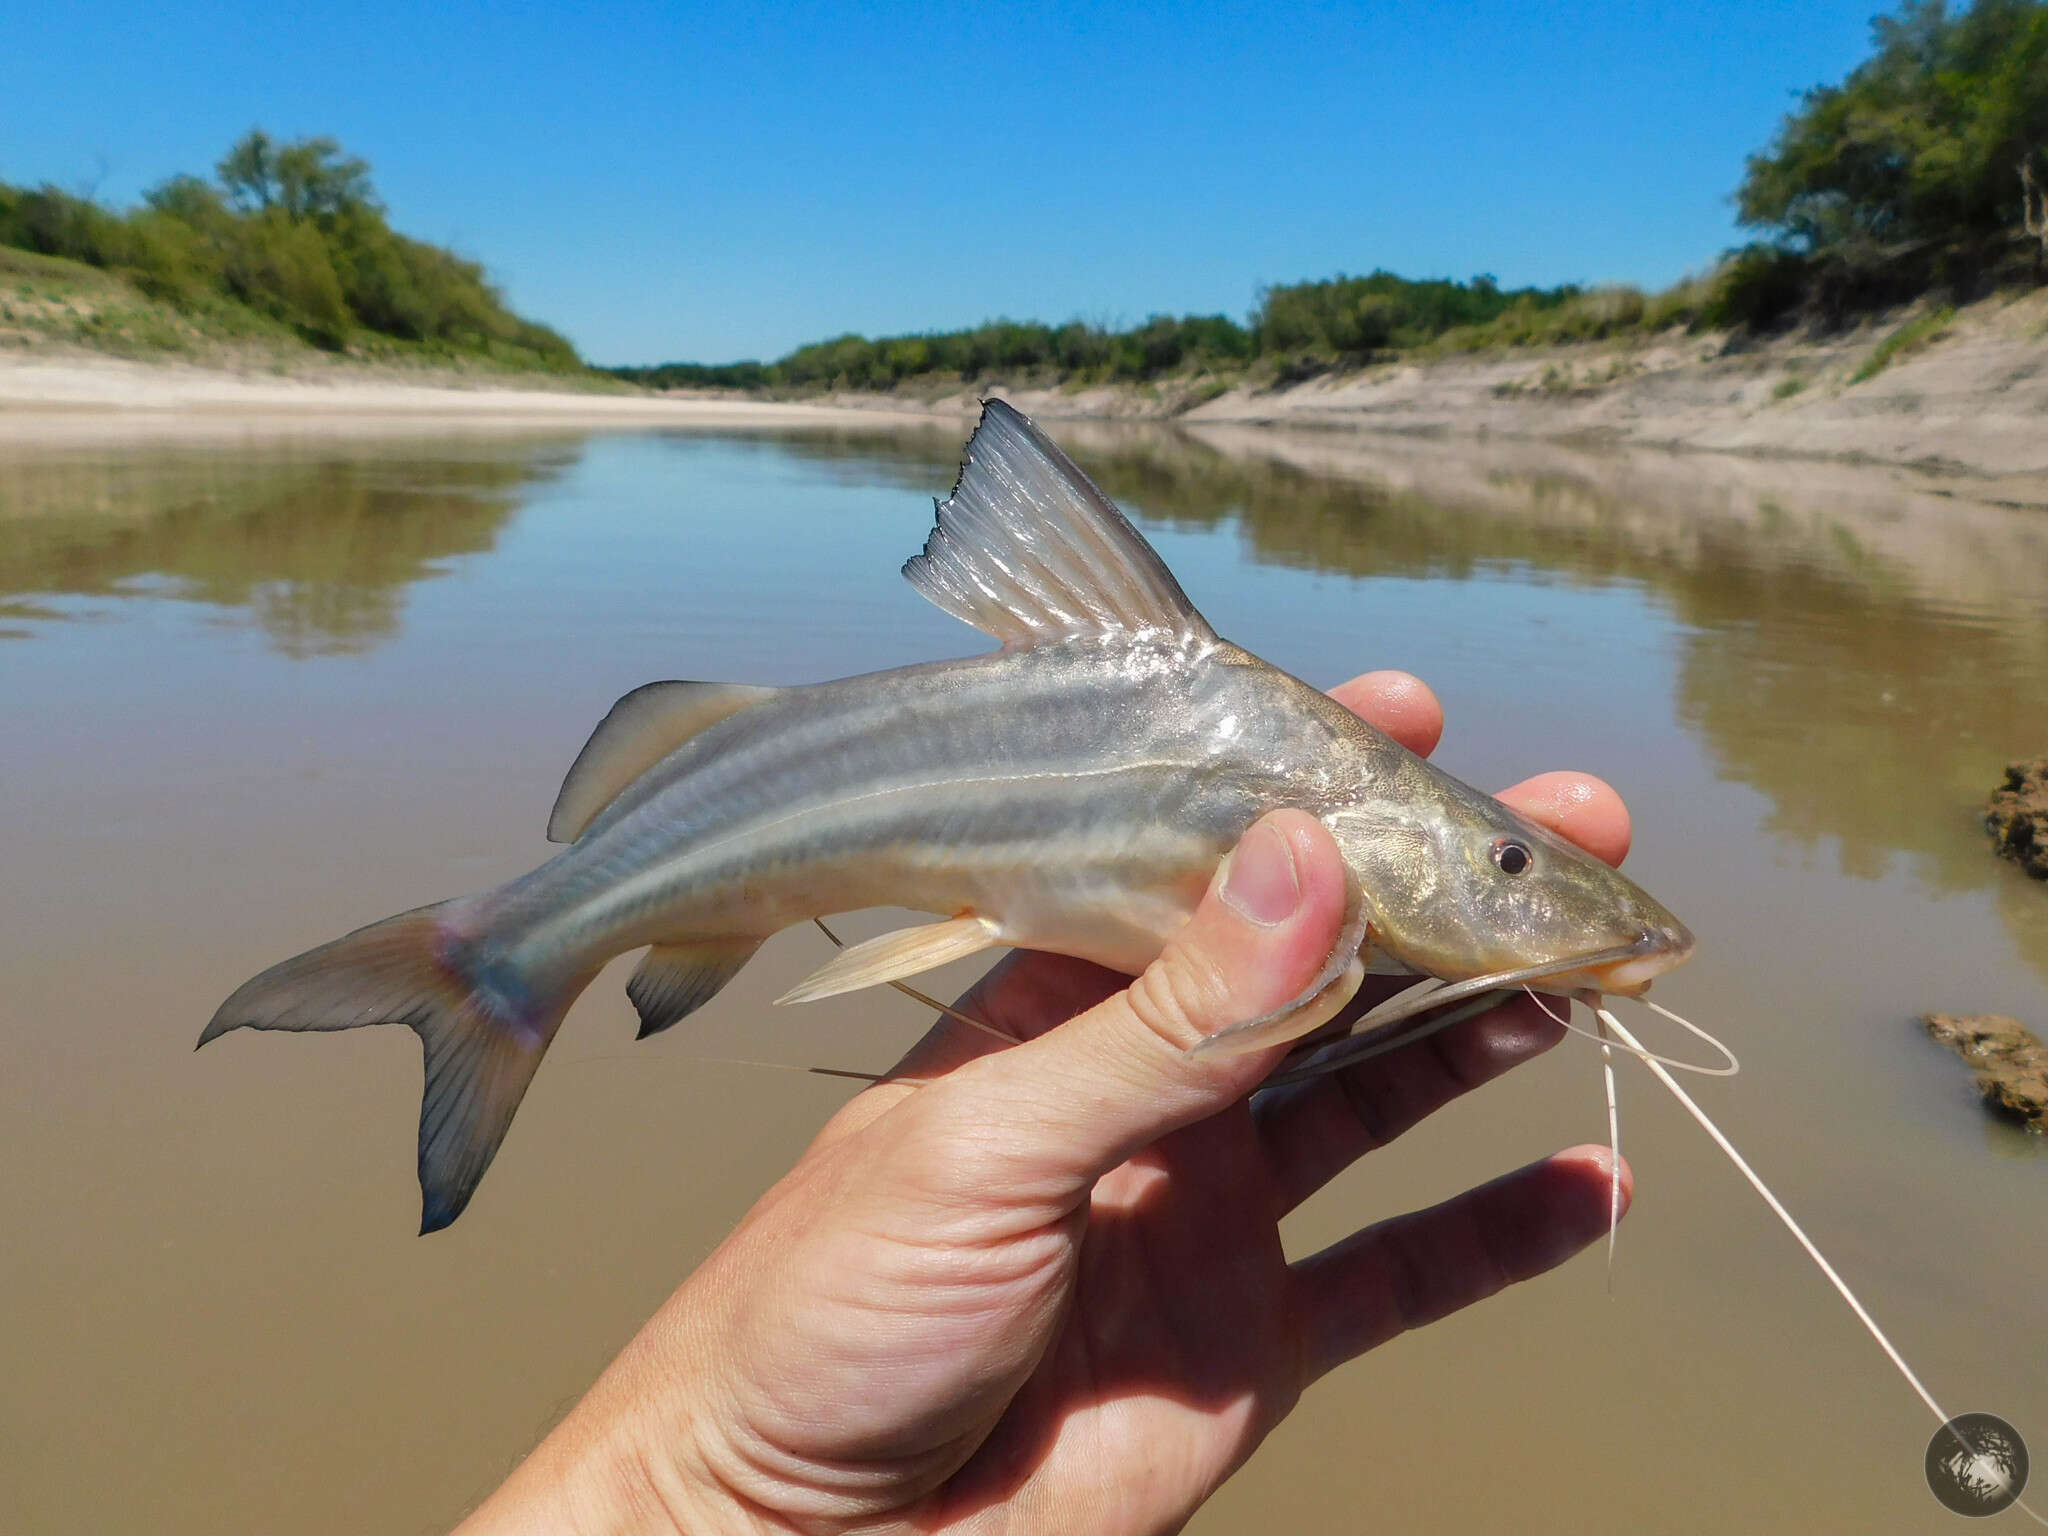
1077	1101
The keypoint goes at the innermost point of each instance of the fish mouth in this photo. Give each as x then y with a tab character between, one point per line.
1574	973
1656	951
1624	969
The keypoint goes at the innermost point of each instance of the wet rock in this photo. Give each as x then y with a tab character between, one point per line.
2016	816
2012	1065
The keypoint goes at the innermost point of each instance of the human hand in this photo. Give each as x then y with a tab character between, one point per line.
1042	1288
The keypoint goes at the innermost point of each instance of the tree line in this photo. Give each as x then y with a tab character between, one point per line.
294	231
1925	171
1303	323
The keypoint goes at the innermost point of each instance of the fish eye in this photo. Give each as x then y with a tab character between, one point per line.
1511	856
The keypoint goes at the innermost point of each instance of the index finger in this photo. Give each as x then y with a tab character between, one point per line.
1576	806
1399	703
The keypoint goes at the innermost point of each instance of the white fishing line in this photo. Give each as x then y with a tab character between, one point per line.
701	1059
790	1066
1656	1066
1610	1032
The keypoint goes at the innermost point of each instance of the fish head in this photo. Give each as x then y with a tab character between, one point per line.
1459	887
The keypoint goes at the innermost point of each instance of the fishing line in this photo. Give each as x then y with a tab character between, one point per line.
699	1059
846	1072
1656	1066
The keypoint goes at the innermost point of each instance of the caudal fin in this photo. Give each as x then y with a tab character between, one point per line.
482	1026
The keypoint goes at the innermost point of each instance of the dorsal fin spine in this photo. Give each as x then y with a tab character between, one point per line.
1028	550
1162	589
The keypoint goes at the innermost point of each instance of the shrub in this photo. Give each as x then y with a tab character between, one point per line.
1759	287
294	232
1910	337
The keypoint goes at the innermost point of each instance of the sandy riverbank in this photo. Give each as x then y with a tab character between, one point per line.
82	396
1972	401
1975	399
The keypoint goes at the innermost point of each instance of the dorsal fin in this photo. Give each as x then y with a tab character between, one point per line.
1028	550
642	728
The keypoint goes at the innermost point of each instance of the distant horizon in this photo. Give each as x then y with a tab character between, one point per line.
1244	317
717	188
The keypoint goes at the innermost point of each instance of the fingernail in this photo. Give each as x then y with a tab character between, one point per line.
1260	882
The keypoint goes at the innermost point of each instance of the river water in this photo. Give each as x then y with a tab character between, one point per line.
256	691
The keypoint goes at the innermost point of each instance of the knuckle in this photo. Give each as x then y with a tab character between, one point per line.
1181	996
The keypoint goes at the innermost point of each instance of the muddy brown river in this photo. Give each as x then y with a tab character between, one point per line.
258	690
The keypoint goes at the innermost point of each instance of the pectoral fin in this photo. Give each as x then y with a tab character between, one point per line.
1324	998
894	956
1379	963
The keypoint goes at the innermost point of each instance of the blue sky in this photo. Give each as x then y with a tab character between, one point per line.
667	181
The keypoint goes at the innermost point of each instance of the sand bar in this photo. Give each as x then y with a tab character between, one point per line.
85	398
1973	405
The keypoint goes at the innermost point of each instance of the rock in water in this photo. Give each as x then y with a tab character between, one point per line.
2012	1065
2016	816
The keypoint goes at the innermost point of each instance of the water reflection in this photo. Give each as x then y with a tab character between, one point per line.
1863	651
1863	647
315	544
1857	647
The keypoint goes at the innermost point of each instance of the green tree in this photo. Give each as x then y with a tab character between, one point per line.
314	177
1914	157
249	170
293	230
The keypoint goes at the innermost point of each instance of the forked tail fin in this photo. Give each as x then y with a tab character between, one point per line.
483	1027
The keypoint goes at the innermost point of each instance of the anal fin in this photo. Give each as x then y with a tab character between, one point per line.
893	956
675	980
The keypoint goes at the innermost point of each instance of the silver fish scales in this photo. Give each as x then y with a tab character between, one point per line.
1072	791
